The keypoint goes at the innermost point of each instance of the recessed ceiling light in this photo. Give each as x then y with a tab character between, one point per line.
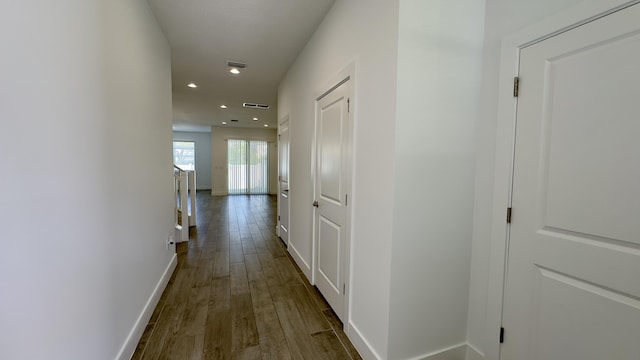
234	71
265	125
223	106
192	85
255	119
224	123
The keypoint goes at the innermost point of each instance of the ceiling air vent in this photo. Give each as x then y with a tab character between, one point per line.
236	64
255	106
234	120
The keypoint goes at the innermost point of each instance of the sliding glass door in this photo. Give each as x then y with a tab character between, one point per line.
248	162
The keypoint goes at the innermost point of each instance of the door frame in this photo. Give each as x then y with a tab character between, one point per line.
282	120
347	74
563	21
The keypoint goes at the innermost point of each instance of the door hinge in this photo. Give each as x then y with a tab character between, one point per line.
346	199
516	86
501	335
278	217
344	289
508	215
348	104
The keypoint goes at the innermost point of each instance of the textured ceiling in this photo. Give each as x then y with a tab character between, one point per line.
267	35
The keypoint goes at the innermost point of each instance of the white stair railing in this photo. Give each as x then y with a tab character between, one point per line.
185	201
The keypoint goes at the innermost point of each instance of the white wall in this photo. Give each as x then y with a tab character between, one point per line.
439	63
85	109
219	136
503	17
364	32
203	155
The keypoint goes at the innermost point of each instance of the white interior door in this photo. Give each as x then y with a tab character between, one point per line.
573	274
332	183
283	180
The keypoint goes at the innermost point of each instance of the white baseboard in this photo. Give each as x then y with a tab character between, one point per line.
304	266
464	351
361	344
473	353
129	346
456	352
219	193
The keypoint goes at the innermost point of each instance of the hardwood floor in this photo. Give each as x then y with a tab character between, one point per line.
236	293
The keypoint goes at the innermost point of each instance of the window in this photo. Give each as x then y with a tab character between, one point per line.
248	163
184	154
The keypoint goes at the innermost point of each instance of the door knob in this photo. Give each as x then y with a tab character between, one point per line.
315	203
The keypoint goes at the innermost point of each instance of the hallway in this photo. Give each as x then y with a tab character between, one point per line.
236	293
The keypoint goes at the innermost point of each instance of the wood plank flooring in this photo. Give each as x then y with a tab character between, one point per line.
236	293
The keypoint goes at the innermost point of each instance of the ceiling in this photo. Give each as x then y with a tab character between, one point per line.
266	35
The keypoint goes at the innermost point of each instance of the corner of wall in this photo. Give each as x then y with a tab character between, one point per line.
130	344
473	353
365	349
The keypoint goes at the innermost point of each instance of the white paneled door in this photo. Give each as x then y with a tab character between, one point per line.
283	180
573	274
331	194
